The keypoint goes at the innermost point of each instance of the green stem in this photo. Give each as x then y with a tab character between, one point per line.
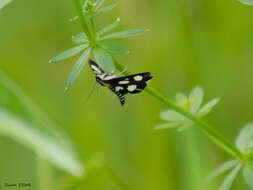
214	135
83	20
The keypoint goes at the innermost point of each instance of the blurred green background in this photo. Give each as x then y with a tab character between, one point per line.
202	42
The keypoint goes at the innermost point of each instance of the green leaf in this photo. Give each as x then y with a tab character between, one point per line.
124	34
166	126
185	125
107	8
68	53
196	98
78	67
208	107
226	184
80	38
222	169
3	3
247	2
109	27
181	99
104	59
34	130
248	174
171	115
244	140
99	4
73	18
113	47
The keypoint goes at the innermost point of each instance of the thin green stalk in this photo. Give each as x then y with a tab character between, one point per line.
83	22
214	135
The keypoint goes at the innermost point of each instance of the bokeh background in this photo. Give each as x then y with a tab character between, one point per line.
201	42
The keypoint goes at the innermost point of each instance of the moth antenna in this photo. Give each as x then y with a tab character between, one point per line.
91	92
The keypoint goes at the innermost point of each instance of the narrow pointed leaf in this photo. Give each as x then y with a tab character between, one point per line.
73	18
80	38
124	34
68	53
3	3
181	99
166	125
171	115
109	28
208	107
248	174
244	140
247	2
107	8
104	59
78	67
186	125
226	184
102	10
196	98
113	47
222	169
99	4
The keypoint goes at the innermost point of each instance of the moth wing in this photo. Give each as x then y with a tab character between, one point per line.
95	68
130	84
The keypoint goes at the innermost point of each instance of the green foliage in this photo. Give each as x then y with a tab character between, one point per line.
192	103
30	128
113	48
68	53
3	3
109	27
94	8
104	59
78	67
123	34
226	184
244	143
248	174
95	41
80	38
228	165
247	2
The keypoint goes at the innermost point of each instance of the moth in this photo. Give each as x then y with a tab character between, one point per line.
120	86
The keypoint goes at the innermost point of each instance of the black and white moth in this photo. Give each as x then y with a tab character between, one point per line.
121	86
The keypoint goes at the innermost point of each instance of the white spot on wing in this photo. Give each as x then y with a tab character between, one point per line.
138	78
118	88
123	82
131	88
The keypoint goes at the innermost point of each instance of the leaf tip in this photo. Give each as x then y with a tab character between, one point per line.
66	88
51	61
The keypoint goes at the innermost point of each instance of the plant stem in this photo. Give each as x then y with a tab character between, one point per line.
214	135
83	20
